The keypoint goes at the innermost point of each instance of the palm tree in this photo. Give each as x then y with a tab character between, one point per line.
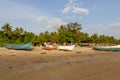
18	31
7	28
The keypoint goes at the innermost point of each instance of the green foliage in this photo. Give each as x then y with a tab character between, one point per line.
69	33
28	37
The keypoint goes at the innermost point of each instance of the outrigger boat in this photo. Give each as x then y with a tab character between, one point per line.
107	48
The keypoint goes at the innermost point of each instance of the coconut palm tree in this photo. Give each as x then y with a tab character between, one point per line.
7	28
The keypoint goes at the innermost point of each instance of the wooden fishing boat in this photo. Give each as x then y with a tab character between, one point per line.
107	48
69	48
19	46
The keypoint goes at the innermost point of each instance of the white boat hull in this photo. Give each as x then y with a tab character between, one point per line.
71	47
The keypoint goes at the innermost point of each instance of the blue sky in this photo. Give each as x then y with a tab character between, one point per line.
96	16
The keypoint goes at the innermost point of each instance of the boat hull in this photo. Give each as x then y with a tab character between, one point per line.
84	44
107	48
71	47
19	47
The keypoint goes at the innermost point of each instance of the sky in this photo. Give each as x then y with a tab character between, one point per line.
95	16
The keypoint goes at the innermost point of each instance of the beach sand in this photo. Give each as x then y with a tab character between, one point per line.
82	63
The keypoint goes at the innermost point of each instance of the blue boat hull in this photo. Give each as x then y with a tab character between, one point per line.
20	47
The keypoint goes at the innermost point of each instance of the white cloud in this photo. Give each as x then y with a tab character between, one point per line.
79	10
115	25
42	18
74	7
66	9
55	23
70	2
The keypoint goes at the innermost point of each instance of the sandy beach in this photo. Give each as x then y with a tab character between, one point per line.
83	63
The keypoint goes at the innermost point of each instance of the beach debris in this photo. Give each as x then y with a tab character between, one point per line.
79	62
13	55
43	53
68	63
10	67
41	60
90	55
78	52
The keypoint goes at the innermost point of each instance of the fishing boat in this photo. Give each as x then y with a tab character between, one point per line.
69	48
107	48
19	46
83	44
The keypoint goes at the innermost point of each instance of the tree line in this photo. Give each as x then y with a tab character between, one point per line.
69	33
